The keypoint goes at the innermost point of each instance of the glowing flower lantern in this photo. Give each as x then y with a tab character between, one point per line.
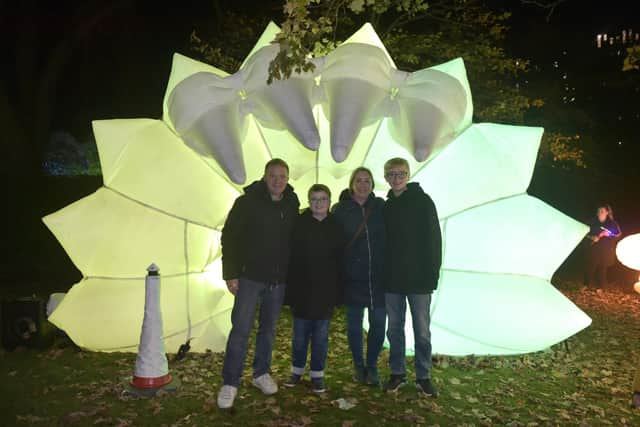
628	253
168	185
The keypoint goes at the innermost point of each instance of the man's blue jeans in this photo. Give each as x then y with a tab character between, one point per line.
270	297
375	336
316	331
419	304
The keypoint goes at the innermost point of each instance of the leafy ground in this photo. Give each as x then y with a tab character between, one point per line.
587	382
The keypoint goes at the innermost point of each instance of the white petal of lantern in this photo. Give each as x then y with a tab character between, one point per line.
95	306
487	162
430	113
205	111
357	80
175	178
519	235
181	68
283	104
108	235
487	313
628	251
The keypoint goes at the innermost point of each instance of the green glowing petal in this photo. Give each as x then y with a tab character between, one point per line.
87	312
487	162
492	313
146	162
518	235
107	235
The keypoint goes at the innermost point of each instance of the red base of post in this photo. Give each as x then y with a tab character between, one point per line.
157	382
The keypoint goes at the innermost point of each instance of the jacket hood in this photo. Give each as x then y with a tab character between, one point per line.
413	190
259	189
345	195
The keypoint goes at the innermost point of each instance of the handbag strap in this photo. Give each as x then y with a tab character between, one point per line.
360	229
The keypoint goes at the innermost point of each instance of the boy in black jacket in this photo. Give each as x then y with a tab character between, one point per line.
313	286
412	270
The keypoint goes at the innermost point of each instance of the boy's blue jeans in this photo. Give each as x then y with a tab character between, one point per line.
270	297
316	332
375	336
419	304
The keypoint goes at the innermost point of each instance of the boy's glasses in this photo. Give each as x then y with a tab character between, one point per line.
319	199
392	175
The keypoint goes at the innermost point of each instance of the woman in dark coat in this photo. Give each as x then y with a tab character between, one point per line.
314	287
604	233
360	213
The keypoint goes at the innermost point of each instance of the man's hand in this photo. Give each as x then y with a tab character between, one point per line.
232	285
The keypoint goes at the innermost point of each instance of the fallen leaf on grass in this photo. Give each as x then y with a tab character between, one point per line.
30	419
306	420
345	404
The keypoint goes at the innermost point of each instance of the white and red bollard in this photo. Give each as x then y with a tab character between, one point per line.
152	369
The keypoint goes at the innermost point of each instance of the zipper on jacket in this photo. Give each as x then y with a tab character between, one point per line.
366	233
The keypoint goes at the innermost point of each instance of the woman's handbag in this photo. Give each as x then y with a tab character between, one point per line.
361	227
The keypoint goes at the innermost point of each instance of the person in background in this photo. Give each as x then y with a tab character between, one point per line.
255	256
412	269
603	234
313	287
360	213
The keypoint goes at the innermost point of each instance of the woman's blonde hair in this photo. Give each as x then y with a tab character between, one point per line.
355	172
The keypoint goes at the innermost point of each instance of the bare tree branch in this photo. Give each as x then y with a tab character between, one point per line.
550	6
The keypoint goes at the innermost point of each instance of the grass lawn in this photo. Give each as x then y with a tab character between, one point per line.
588	383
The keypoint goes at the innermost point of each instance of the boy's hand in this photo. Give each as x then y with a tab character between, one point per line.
232	285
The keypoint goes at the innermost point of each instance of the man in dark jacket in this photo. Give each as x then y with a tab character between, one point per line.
255	257
412	270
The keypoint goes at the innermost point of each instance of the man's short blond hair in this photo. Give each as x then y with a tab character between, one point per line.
396	162
275	162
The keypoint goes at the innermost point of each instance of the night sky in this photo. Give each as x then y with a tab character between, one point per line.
591	91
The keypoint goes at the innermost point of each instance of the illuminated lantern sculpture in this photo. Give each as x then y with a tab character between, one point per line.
628	253
168	185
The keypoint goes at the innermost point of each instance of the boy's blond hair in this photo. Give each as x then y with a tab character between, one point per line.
396	162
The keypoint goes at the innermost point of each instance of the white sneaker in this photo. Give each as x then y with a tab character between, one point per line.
226	396
266	384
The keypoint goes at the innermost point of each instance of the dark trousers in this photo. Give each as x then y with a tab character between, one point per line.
596	274
316	332
250	294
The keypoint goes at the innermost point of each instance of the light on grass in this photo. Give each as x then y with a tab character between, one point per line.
169	184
